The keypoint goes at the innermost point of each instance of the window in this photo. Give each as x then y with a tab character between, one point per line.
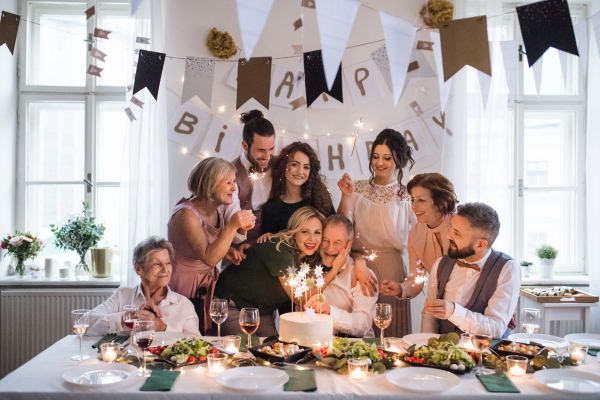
71	123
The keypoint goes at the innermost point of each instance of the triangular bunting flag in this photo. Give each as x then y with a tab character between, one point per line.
418	68
380	56
335	19
485	80
582	43
101	33
546	24
9	26
199	77
595	24
149	72
254	81
93	70
444	86
314	77
510	58
98	54
252	15
399	38
133	6
537	74
562	56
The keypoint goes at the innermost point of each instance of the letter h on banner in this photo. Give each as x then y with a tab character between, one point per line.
337	150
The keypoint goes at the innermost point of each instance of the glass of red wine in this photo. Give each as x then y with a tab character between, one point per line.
130	316
143	332
249	321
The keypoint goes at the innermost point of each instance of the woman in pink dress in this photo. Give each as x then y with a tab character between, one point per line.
200	236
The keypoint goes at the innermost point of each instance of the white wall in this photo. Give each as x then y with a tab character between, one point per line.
8	138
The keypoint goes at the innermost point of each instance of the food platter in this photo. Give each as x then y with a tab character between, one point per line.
257	352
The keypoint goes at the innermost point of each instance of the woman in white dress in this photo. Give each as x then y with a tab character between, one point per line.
381	212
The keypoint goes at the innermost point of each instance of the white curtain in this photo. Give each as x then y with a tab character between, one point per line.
144	205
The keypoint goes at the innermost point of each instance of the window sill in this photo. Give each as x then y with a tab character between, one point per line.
71	282
558	280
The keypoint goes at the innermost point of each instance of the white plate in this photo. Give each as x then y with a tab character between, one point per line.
587	339
545	340
100	375
418	339
252	379
418	379
569	381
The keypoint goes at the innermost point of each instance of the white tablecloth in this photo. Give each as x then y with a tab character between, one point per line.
41	378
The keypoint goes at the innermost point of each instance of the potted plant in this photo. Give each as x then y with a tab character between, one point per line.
22	246
526	268
80	233
547	255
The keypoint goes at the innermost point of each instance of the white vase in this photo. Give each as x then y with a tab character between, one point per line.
547	268
526	271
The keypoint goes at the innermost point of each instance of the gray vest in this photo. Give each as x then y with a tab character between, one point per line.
484	288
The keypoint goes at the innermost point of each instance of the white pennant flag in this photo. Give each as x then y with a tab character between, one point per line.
510	57
252	15
485	80
335	19
537	74
596	24
437	53
133	6
562	56
399	38
582	43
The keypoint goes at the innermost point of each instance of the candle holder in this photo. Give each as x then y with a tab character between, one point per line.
217	363
232	343
465	342
578	352
393	344
358	368
517	365
110	351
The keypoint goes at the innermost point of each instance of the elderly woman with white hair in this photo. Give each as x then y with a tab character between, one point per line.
170	311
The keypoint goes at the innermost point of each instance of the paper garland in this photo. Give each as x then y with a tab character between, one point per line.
380	56
582	43
315	79
220	139
133	6
90	12
199	77
537	69
419	68
485	80
444	86
186	123
252	16
149	72
286	89
362	82
9	26
254	81
510	58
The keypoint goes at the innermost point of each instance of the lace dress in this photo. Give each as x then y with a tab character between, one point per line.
382	219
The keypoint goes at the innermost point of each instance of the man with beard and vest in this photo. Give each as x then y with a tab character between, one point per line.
253	171
473	283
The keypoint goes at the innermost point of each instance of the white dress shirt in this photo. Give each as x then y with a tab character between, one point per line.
178	312
459	289
351	310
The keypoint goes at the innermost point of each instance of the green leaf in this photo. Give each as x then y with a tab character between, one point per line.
411	350
539	361
340	363
553	363
569	361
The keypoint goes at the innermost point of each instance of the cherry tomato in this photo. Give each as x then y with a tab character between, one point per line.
214	350
201	358
191	359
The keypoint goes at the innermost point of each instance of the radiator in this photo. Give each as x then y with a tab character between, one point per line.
31	320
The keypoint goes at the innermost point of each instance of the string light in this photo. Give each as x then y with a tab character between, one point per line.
222	108
305	135
184	150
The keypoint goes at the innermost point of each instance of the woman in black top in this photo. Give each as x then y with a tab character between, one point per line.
297	182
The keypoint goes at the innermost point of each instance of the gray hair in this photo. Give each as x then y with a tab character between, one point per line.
340	219
481	217
151	245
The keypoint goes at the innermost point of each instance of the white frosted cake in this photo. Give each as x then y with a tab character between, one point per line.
300	328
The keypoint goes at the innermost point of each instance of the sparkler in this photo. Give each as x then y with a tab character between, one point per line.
359	125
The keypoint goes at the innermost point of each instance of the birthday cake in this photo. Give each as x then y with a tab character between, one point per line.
305	330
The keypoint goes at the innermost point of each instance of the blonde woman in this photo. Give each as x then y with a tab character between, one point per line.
199	235
259	282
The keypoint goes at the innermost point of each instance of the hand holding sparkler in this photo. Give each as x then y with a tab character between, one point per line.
390	288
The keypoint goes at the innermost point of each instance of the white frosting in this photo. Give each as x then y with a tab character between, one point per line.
299	327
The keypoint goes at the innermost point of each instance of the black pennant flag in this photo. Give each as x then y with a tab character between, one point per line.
9	25
546	24
148	72
314	76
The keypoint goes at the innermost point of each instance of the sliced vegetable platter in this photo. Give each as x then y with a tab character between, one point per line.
441	353
335	356
186	352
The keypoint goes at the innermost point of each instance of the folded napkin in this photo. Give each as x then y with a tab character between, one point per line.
593	352
160	381
244	342
371	340
108	338
300	381
495	342
498	383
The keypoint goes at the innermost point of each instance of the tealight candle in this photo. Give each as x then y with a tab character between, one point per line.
358	368
393	344
109	351
232	343
217	363
517	365
578	352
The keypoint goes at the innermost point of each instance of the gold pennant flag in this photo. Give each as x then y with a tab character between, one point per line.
93	70
254	81
465	42
297	49
9	26
101	33
298	24
299	102
412	66
308	3
98	54
424	45
89	13
416	108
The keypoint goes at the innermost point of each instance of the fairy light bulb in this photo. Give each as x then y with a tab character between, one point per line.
222	108
184	150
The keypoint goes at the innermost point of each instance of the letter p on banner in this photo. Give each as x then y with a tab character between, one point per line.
186	123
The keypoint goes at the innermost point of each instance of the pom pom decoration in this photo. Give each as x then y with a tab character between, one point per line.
221	44
437	11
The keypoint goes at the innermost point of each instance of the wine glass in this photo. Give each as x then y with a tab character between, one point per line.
249	320
131	315
143	331
531	320
383	318
81	322
218	312
481	337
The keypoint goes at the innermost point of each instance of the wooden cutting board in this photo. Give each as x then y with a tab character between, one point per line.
583	298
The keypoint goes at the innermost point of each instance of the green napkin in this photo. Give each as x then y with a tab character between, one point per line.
498	383
300	381
370	340
495	342
244	342
593	352
160	381
108	338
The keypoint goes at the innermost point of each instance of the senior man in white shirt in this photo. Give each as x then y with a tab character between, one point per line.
351	310
473	283
170	311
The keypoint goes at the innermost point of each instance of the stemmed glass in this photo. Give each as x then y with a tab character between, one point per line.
131	315
531	320
81	322
249	320
383	318
219	311
481	337
143	332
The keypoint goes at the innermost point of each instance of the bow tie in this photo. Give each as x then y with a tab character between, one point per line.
467	265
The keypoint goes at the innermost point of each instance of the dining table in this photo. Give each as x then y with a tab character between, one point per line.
42	378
